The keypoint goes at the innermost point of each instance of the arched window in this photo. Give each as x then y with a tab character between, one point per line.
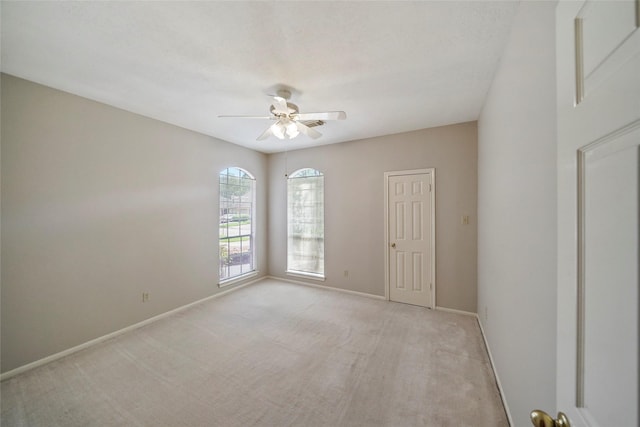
237	223
305	218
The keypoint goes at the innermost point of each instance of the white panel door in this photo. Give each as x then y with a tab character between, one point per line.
410	237
598	77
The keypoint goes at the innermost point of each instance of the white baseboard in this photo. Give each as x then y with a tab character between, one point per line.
314	285
495	372
452	310
56	356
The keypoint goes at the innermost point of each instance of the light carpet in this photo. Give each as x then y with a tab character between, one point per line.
272	354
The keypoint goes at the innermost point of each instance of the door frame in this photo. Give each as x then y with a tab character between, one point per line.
432	243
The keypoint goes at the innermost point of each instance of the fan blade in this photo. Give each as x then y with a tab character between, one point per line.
280	106
273	130
266	134
245	117
311	133
327	115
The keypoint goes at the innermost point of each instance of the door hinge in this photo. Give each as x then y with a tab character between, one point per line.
429	188
431	286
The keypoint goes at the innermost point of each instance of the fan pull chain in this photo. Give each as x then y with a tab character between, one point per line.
286	170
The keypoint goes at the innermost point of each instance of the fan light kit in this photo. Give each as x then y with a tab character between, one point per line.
289	121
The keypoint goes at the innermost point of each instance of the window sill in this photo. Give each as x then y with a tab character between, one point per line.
302	274
237	279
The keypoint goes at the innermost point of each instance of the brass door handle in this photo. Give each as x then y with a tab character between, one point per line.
542	419
393	245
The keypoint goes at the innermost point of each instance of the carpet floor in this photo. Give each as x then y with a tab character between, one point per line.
272	354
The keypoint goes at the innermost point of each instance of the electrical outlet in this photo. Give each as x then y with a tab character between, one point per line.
346	273
145	296
465	219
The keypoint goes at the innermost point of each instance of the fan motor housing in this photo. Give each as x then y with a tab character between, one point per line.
290	105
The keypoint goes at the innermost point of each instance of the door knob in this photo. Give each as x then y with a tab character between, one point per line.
393	245
542	419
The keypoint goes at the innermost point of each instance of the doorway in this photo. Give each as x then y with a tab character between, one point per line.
410	237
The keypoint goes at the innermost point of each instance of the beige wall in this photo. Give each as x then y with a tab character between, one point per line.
98	206
354	207
517	214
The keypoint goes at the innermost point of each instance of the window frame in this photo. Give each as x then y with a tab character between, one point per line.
223	218
306	172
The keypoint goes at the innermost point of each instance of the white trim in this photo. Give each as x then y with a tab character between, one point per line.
305	275
69	351
237	279
495	373
432	172
330	288
453	310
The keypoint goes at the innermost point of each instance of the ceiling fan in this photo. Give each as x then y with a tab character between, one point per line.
290	122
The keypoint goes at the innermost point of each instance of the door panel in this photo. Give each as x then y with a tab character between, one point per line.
598	64
410	238
608	304
606	37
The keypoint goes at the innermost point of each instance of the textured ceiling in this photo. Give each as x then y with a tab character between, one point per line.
392	66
